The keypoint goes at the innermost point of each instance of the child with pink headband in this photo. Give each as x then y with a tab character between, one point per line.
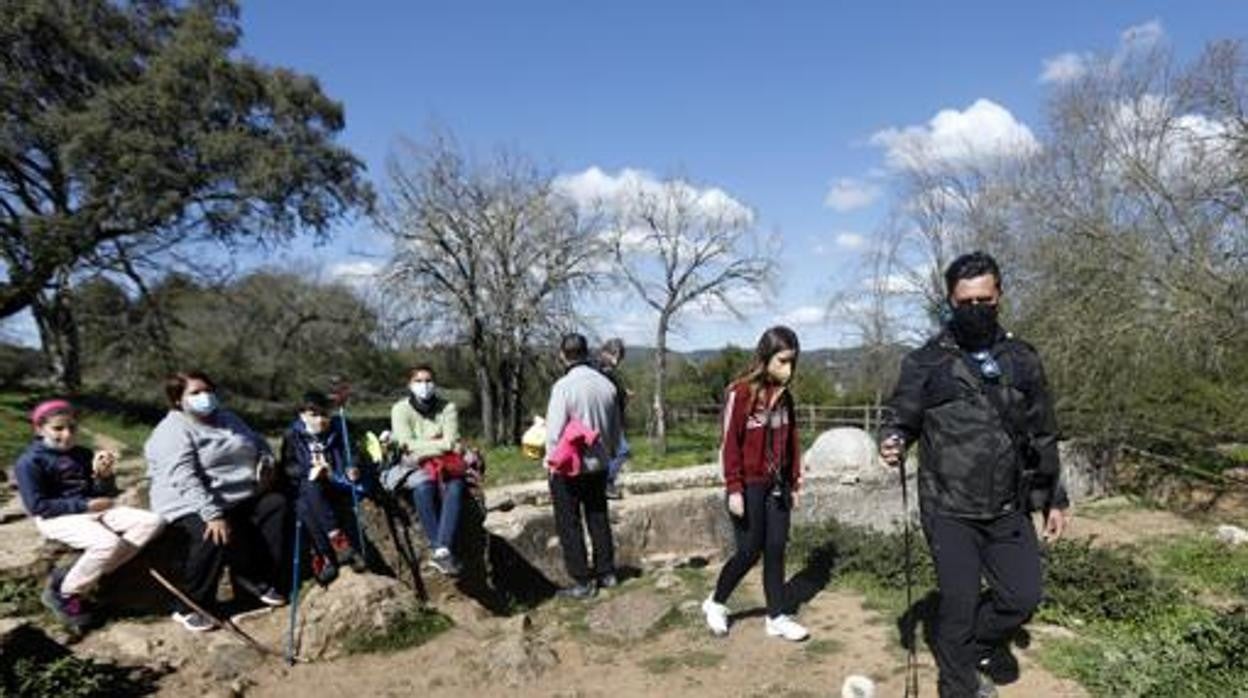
63	486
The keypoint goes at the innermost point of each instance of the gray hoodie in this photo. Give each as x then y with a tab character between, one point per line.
199	468
589	396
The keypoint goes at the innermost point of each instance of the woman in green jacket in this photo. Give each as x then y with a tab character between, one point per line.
425	427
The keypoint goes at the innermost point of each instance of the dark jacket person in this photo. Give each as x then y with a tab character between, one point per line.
975	400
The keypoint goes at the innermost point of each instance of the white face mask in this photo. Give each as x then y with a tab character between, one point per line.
315	426
422	390
201	404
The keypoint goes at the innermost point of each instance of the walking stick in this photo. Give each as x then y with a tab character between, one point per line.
912	659
355	494
219	622
294	596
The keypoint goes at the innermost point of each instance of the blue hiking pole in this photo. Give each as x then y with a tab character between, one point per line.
355	492
294	596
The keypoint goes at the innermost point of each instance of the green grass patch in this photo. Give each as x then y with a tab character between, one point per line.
410	629
1237	453
1112	506
693	659
822	647
20	597
672	620
15	432
1190	651
1202	564
69	677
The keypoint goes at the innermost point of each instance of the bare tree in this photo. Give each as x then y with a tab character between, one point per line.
677	247
874	308
492	256
1124	241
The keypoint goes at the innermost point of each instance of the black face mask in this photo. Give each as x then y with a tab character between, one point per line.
974	326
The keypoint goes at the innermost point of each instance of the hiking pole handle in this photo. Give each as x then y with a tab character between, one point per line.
355	494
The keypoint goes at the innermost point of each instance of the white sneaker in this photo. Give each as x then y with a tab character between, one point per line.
787	628
716	616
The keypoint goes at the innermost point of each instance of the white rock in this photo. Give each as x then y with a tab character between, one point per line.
1231	535
847	453
858	687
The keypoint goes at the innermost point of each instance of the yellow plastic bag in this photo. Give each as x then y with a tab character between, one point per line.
533	441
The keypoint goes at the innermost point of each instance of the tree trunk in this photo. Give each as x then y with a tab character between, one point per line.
659	436
58	334
515	401
485	390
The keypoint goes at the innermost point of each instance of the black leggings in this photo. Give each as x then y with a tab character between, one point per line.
255	551
763	530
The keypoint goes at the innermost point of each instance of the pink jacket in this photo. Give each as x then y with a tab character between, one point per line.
565	459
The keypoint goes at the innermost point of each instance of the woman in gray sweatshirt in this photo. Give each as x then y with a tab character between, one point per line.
211	478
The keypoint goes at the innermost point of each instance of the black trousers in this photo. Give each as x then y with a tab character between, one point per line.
764	530
1004	551
571	496
255	552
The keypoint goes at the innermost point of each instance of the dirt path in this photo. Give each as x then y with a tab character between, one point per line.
683	660
1118	520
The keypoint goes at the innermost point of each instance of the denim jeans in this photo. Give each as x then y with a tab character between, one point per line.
438	505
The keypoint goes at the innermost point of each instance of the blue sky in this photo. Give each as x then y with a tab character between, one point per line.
775	103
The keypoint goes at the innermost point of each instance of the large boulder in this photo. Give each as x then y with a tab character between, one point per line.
354	603
22	551
847	454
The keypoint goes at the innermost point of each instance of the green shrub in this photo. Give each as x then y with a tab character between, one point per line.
1195	654
19	597
843	550
69	677
1087	583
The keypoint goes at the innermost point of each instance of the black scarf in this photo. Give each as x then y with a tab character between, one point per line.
426	408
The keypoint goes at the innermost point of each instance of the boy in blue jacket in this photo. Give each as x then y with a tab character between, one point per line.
67	490
313	457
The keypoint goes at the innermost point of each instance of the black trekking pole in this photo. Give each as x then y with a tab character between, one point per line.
355	493
912	660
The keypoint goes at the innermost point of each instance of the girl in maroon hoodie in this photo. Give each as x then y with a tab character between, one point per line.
762	473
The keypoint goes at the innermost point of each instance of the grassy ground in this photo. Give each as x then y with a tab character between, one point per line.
1164	617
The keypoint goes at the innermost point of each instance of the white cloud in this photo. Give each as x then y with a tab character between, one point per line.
982	132
1142	36
354	270
594	189
804	316
1186	147
849	194
633	327
1070	66
358	275
1066	67
850	241
747	301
